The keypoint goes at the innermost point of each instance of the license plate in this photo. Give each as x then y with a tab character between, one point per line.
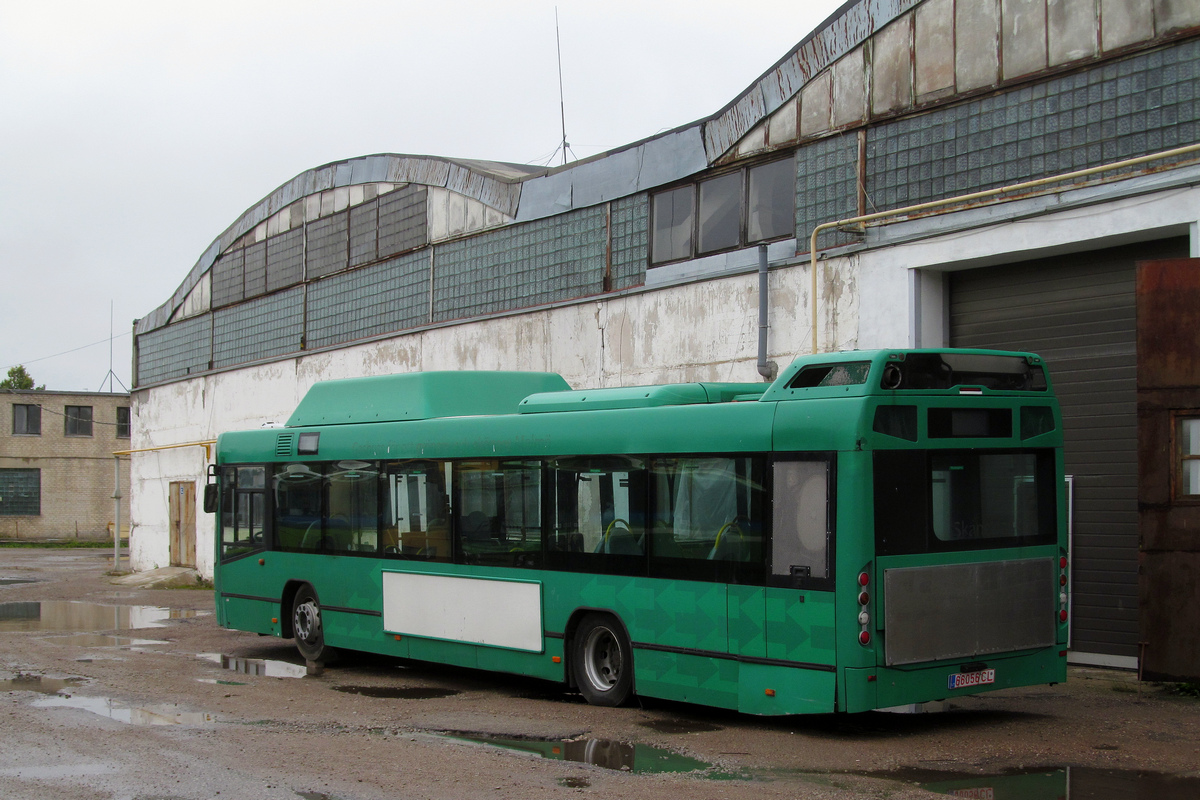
961	680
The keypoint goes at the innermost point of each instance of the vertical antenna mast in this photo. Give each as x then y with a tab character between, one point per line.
110	344
562	108
111	376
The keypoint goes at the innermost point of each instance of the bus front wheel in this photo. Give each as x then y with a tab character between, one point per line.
307	626
602	662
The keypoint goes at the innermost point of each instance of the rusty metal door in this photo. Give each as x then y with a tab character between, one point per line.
1168	397
182	503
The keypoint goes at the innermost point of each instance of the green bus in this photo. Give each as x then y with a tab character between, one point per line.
871	530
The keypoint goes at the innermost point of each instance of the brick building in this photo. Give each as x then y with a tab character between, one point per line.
56	464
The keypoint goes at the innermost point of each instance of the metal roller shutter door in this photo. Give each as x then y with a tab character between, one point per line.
1078	312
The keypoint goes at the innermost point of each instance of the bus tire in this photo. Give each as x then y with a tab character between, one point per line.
602	661
307	626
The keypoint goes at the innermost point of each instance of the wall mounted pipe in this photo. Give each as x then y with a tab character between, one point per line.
767	369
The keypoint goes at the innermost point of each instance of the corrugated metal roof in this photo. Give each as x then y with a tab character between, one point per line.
652	162
844	30
428	171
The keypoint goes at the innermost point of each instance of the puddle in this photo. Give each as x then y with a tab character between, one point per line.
70	615
220	682
574	783
606	753
679	726
261	667
1053	783
92	658
398	692
162	714
36	683
103	640
15	581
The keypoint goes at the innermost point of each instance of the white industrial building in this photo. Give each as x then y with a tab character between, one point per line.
642	265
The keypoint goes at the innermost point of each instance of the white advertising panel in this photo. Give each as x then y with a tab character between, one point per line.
475	610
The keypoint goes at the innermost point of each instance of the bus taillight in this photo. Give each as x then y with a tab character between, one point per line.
864	614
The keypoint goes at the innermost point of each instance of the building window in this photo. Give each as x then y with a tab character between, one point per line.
1187	457
78	421
771	201
20	492
673	223
122	422
738	209
720	213
27	420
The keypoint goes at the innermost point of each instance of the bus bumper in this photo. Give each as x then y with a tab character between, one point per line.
884	687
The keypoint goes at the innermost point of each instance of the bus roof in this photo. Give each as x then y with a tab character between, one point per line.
432	395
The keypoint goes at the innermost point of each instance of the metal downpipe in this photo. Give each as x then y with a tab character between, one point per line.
767	369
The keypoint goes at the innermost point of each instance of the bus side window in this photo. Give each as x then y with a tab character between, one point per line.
498	515
416	510
298	491
800	543
708	508
352	507
600	506
228	502
243	510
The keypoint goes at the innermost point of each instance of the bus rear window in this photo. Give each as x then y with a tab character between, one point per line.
930	501
948	370
853	373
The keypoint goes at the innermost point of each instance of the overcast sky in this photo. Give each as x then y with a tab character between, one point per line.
133	133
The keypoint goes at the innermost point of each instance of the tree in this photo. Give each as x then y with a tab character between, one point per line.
18	378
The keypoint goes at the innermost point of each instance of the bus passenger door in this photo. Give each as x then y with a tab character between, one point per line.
798	600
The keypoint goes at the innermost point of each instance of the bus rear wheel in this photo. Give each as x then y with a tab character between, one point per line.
602	661
308	628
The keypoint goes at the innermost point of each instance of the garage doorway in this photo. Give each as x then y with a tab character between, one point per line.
1079	313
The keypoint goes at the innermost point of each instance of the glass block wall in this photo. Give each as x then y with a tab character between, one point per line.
521	265
826	187
262	328
366	302
1139	105
175	351
630	226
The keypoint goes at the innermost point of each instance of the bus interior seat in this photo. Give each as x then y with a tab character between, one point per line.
734	545
623	542
311	540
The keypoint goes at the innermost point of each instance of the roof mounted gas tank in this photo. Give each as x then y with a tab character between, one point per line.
420	395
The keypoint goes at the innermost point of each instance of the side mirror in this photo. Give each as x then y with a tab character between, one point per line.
212	498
